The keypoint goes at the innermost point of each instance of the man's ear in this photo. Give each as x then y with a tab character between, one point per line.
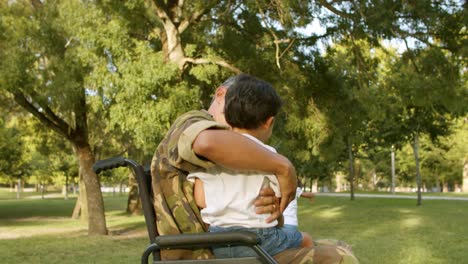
220	93
269	122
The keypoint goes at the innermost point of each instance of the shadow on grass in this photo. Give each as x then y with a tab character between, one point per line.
119	226
52	207
119	213
32	222
46	228
134	229
14	209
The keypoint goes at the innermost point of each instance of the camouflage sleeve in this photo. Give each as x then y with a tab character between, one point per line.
188	137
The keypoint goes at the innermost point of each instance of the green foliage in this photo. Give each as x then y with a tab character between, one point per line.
34	153
106	63
429	92
441	160
12	164
50	157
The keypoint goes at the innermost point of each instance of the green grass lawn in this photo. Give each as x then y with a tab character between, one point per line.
446	194
41	231
391	230
380	230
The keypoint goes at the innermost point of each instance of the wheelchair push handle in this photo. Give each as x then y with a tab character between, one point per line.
112	163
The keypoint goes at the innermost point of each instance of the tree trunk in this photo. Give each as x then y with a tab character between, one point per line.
338	183
66	187
416	159
77	208
465	175
174	46
94	201
445	187
393	169
81	205
357	173
315	186
18	189
170	37
133	202
329	184
42	191
374	180
351	169
438	182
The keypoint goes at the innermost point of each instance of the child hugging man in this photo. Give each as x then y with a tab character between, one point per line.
226	196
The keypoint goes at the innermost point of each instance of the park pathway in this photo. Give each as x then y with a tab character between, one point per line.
394	196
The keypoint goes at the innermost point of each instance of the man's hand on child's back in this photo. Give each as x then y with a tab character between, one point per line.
267	202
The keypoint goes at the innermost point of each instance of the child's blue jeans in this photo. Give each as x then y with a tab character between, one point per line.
273	239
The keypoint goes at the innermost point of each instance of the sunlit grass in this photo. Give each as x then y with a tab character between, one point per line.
41	231
446	194
10	194
392	230
380	230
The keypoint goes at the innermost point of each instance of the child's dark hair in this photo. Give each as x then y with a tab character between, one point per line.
249	102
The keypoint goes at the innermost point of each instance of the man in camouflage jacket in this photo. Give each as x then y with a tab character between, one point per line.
198	140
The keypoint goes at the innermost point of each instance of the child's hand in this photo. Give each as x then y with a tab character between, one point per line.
309	195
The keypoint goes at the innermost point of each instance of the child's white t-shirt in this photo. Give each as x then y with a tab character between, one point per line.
290	213
230	194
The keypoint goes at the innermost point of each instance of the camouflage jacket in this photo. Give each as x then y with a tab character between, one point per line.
176	211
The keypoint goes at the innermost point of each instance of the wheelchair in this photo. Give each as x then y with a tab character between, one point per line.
181	241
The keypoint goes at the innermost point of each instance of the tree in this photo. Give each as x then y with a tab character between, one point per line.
50	156
427	92
45	69
458	150
13	165
452	150
352	97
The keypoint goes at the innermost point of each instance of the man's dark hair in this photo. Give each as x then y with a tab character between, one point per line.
249	102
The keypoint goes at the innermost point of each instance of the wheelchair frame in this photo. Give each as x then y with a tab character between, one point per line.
181	241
